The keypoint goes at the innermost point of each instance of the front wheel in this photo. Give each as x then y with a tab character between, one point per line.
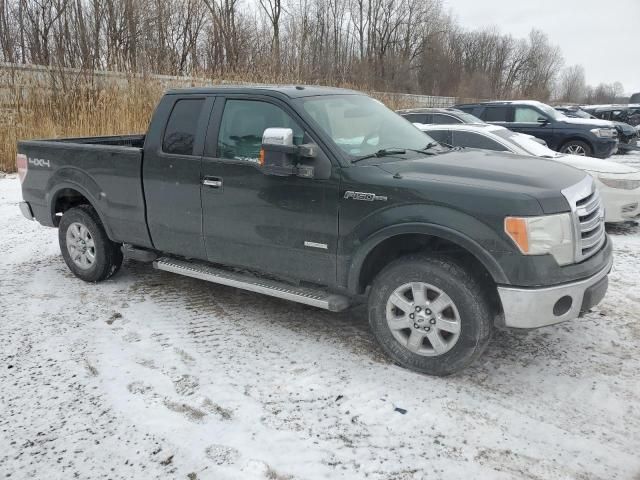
430	314
85	246
576	147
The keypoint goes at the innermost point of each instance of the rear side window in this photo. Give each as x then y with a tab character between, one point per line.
444	119
440	136
180	134
496	114
416	117
475	140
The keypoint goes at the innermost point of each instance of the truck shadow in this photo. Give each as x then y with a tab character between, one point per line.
219	306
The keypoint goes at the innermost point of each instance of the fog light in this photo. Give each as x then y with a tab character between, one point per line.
562	306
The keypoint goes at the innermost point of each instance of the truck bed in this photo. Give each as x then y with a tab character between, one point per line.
106	170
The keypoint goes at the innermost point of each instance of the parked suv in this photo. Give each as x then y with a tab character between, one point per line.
577	136
438	116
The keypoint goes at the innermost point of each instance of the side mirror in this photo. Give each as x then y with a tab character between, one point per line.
543	120
279	156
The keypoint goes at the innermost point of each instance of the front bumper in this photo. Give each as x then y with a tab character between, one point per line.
603	148
25	208
539	307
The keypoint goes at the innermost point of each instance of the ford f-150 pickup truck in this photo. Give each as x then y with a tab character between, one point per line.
324	196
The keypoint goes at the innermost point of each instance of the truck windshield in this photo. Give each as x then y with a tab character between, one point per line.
361	126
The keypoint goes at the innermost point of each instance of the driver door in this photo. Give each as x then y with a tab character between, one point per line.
282	225
525	120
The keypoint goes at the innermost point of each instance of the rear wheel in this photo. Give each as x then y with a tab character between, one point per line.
576	147
430	314
85	246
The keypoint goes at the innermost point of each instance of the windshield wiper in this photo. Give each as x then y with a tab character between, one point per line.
427	148
383	152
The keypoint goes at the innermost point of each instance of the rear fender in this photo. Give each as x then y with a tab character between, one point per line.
75	179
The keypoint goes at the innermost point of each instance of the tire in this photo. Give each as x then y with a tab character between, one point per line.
470	308
577	147
85	246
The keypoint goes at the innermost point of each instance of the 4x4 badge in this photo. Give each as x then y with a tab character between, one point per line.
367	197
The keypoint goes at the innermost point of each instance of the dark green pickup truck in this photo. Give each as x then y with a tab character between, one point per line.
325	197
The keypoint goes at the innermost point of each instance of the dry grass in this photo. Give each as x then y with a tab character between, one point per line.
53	105
45	109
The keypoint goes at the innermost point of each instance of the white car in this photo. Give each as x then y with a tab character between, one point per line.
619	184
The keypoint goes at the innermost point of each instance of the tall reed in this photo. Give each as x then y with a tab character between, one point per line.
51	104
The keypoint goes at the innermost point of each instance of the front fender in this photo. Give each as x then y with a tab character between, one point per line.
477	237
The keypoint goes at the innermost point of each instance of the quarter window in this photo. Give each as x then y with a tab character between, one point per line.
180	134
242	126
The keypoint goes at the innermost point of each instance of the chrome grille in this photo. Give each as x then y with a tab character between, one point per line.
588	218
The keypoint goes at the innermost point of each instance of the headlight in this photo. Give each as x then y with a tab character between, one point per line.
604	132
620	183
549	234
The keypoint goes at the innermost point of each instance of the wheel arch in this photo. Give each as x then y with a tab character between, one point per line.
67	195
577	138
393	242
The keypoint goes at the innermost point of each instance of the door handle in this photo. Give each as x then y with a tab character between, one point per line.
212	182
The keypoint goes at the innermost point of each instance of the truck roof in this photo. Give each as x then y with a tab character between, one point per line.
291	91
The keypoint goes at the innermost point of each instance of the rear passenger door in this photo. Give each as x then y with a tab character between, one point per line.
282	225
171	174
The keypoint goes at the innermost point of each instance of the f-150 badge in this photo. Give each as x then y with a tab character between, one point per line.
366	196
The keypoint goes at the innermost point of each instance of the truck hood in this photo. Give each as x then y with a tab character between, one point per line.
501	170
595	164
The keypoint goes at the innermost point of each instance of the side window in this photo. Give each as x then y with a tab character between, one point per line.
527	115
475	140
496	114
180	133
441	136
242	126
444	119
416	117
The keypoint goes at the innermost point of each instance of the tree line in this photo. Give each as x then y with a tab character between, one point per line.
412	46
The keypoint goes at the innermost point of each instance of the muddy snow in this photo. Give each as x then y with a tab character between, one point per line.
153	375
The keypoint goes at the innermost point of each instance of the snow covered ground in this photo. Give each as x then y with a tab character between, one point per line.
152	375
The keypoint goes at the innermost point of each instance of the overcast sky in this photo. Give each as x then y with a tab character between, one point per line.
602	35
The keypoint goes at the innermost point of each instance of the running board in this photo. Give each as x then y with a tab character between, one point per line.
316	298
